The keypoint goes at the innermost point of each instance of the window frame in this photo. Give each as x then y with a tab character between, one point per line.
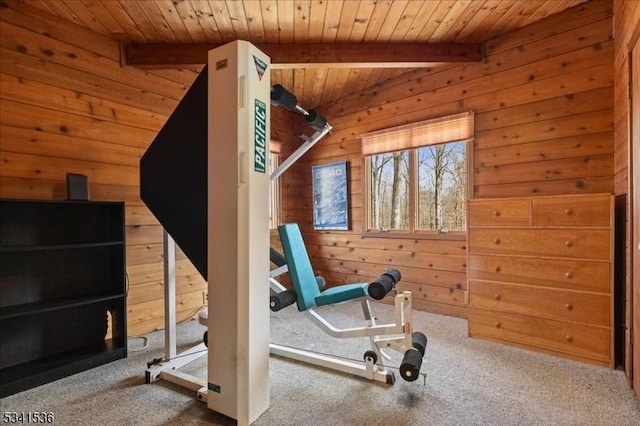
413	232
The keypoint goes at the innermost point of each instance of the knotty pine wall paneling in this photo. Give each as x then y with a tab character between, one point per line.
543	100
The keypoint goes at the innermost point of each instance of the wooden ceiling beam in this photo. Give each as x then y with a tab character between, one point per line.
318	55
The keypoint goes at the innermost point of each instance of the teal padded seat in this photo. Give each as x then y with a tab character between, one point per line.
303	279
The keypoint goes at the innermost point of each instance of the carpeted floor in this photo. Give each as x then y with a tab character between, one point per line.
468	382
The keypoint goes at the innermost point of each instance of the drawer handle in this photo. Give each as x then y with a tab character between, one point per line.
569	307
496	240
568	212
498	324
496	213
497	296
497	269
568	243
568	275
569	338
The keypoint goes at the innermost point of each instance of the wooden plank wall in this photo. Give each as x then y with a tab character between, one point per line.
66	105
544	125
626	30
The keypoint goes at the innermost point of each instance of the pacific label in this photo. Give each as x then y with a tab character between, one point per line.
260	137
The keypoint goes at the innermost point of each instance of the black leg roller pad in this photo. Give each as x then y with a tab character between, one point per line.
412	361
386	282
282	300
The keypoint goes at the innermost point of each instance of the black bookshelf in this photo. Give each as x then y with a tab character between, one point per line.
62	283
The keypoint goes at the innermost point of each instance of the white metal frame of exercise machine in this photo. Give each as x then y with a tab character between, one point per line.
237	384
373	367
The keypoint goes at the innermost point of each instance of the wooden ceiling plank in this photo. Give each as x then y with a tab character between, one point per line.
449	20
123	20
502	23
393	17
61	10
376	19
156	18
270	20
87	18
298	85
331	21
42	5
191	21
238	19
483	31
478	20
285	20
112	27
347	55
421	20
329	82
347	18
406	21
436	20
361	21
176	23
527	9
139	20
463	20
301	21
374	77
207	21
253	13
340	83
316	20
314	84
221	14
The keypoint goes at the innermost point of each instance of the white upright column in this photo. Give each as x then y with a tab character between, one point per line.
238	231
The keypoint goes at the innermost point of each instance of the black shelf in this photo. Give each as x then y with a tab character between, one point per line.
62	289
10	249
36	308
45	370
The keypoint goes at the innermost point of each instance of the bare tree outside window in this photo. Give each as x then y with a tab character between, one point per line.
389	190
441	187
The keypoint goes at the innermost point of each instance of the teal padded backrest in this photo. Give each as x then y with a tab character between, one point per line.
300	270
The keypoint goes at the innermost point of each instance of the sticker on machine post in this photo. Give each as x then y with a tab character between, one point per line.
215	388
261	66
260	137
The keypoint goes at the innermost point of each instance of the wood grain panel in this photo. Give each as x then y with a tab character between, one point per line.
540	302
558	273
587	341
580	243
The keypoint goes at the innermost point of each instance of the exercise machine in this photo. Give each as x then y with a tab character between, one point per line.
205	179
309	296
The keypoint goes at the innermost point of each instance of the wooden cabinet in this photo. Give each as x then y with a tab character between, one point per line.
541	274
62	289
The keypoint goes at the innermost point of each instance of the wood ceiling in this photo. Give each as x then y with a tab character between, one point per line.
307	21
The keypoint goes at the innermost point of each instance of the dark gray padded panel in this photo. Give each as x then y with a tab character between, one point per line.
173	174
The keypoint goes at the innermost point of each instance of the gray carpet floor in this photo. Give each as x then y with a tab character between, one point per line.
468	382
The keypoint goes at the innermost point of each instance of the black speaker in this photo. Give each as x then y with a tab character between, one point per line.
77	187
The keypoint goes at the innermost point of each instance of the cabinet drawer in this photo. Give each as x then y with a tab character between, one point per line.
540	302
503	212
578	243
582	340
579	210
559	273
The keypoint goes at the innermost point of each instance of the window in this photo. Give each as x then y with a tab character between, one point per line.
416	179
275	199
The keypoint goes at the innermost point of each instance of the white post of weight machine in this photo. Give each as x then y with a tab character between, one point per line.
238	231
